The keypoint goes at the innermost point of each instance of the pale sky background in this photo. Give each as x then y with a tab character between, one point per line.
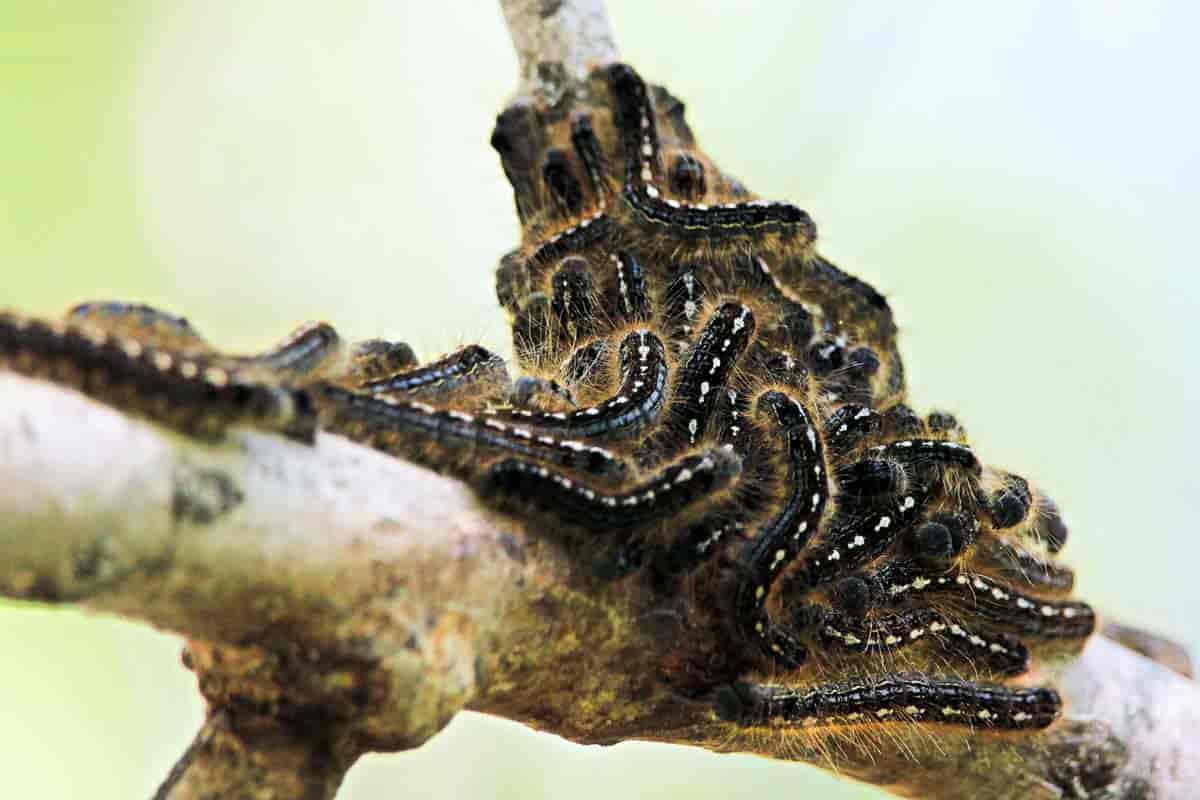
1020	178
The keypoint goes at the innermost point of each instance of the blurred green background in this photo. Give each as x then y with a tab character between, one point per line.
1021	178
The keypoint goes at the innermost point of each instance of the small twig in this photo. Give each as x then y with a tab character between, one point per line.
558	42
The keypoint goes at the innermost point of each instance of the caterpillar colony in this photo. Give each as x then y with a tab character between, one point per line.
705	405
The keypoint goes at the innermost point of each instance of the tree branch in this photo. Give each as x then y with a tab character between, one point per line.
338	601
377	581
558	42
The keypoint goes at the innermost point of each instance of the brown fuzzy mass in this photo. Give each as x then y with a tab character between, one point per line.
860	541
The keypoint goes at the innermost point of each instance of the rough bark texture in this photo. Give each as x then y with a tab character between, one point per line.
337	601
558	42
